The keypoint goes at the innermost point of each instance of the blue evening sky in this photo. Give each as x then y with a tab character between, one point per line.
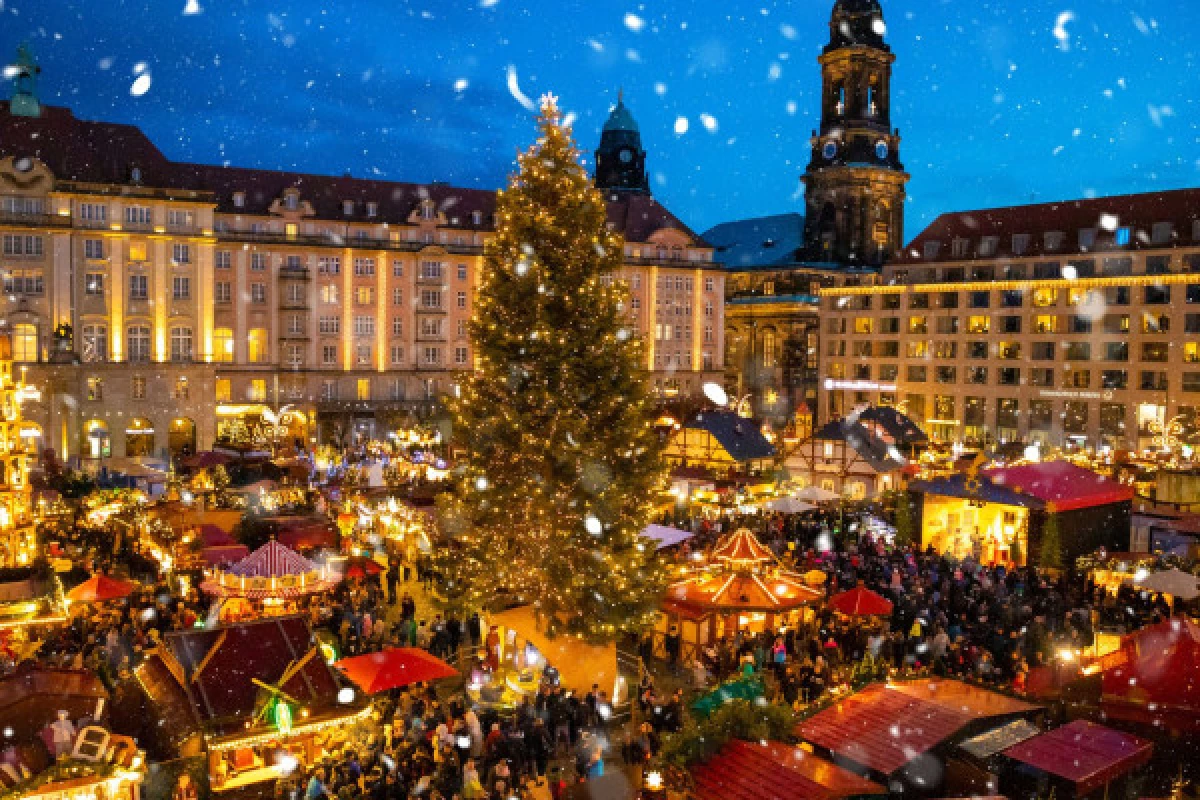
998	102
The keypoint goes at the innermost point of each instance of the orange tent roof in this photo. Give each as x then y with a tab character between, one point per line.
743	547
742	591
100	588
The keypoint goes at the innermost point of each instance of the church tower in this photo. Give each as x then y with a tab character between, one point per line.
854	184
620	159
24	101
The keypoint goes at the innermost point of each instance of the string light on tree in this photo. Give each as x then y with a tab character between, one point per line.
556	421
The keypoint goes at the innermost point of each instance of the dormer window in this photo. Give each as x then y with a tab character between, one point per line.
427	210
1196	230
348	207
1020	244
291	201
135	174
372	209
1161	233
1122	237
1087	238
1053	241
959	248
476	217
987	246
932	249
239	199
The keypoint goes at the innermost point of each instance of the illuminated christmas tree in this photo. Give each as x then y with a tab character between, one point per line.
562	458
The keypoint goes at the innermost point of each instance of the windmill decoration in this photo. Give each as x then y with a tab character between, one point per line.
274	704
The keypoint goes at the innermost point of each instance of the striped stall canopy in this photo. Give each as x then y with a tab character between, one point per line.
273	560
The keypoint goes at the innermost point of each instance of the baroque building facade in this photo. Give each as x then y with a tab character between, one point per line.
162	306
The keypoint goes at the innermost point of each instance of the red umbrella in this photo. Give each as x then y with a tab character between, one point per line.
368	566
861	602
98	589
354	572
393	667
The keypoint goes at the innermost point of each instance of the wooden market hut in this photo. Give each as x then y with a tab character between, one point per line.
1080	759
775	771
742	586
242	695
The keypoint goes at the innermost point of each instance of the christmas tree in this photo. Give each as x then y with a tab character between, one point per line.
1050	554
562	459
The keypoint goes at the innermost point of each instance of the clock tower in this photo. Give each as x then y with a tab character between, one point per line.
620	159
854	185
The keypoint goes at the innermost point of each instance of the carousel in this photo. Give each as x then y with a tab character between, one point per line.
268	582
740	586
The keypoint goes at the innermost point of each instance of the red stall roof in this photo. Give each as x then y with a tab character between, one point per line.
775	771
1062	484
883	728
1155	675
1087	754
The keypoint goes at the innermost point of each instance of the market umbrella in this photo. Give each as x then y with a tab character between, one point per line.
815	494
366	566
394	667
100	588
1174	582
861	602
789	505
353	573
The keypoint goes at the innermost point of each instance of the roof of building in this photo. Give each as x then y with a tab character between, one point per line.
900	427
620	119
775	771
88	151
1154	676
31	697
1107	215
1084	753
759	242
884	727
218	666
1051	485
740	437
875	452
273	560
853	24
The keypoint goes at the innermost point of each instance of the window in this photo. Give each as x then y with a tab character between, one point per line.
462	272
256	339
20	245
138	287
1079	324
977	350
947	351
1009	376
1010	324
95	388
1155	323
1117	295
1116	323
460	356
769	349
295	325
222	259
137	387
137	341
95	343
1007	412
179	218
1077	379
1114	379
397	354
93	212
917	349
259	261
432	356
397	296
364	326
138	215
918	300
1191	323
960	248
462	329
1041	415
431	270
1047	271
431	298
364	267
181	253
1045	323
329	265
181	343
364	295
1191	381
461	300
977	376
372	208
931	249
979	324
223	345
93	284
256	392
397	269
329	325
1158	265
1053	240
987	246
915	374
1042	351
1155	352
1020	243
24	282
946	375
362	354
329	354
1079	351
1011	298
1075	416
1122	237
1116	351
1157	295
398	326
1087	238
258	293
328	294
1045	298
431	326
1116	267
918	325
1112	419
93	248
181	287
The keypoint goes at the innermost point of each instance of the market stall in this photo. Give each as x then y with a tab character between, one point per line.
740	586
1076	760
1154	677
268	582
256	698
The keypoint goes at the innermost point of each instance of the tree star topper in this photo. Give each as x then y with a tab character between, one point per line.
549	103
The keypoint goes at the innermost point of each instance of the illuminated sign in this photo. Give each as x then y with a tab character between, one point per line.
860	386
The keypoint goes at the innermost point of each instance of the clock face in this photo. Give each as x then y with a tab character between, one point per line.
830	149
881	149
626	156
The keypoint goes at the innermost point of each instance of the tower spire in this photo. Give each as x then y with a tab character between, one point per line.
25	70
620	159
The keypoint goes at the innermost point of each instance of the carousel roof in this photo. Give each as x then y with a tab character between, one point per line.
742	591
742	546
273	560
